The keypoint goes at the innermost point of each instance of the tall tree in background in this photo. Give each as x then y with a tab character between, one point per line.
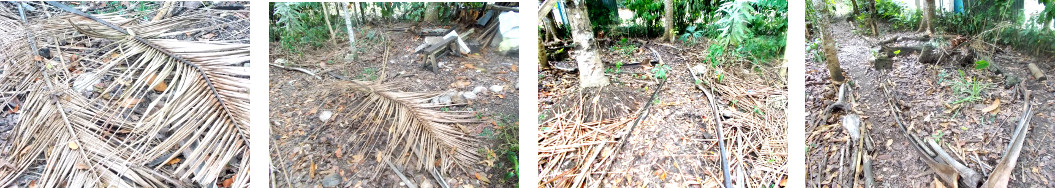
432	12
591	69
928	16
668	23
831	56
873	17
348	24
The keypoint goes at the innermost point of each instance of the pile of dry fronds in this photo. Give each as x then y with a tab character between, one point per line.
757	139
418	133
124	105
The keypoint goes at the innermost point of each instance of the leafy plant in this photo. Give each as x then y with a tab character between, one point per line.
691	35
660	72
298	24
969	89
624	47
981	64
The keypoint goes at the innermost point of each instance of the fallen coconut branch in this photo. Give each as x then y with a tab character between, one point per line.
1002	174
305	71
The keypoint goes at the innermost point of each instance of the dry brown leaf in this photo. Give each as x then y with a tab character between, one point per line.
174	161
208	36
482	178
311	170
337	153
460	84
357	158
81	166
73	145
229	181
663	176
470	66
514	68
161	87
994	106
938	184
130	103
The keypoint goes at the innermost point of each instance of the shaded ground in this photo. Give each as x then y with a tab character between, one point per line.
675	146
307	152
973	137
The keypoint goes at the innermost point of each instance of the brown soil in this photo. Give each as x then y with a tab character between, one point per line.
973	137
299	140
676	144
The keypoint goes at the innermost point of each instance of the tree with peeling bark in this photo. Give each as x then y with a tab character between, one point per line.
432	12
351	31
591	68
831	57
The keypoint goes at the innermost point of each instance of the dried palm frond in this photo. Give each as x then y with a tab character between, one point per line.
115	106
416	129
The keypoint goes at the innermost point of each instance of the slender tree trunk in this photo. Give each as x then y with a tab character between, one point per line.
668	25
873	17
326	16
351	33
831	56
591	69
432	12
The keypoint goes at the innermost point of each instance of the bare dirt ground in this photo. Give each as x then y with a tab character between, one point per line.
972	136
306	152
676	145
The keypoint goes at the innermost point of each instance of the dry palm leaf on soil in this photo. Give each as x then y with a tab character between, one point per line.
419	134
126	106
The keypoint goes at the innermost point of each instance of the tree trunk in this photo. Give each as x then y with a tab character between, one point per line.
668	24
856	10
928	17
831	56
432	12
326	16
351	33
591	69
873	17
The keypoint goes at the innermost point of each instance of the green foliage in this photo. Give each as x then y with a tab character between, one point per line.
508	148
603	14
298	24
624	47
888	9
660	72
968	89
937	136
369	74
896	52
691	35
981	64
734	26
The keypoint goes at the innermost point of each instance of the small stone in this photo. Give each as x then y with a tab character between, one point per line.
479	89
281	61
1011	81
349	57
699	69
331	181
496	88
325	116
469	95
445	98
